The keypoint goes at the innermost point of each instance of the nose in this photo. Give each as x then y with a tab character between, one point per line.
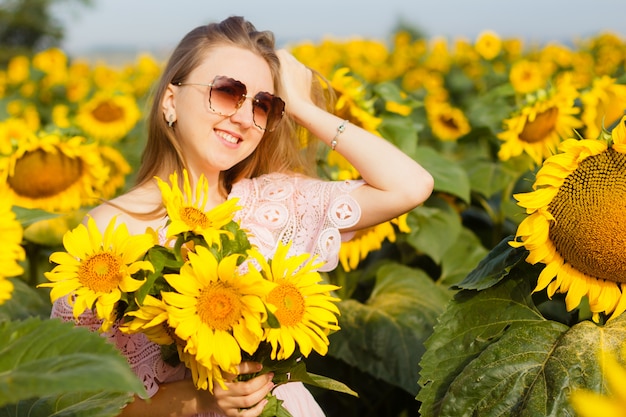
244	115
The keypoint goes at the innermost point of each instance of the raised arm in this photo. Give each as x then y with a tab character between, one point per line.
395	182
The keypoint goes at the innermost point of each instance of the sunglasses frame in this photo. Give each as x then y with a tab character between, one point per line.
255	100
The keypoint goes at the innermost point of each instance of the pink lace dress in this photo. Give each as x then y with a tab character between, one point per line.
275	208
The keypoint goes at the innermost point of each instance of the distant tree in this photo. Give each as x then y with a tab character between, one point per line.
28	26
414	30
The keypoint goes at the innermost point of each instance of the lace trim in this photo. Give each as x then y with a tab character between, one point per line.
307	212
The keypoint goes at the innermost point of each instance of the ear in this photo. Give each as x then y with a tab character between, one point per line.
168	103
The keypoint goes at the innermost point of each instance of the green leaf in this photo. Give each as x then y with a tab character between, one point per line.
494	267
385	336
470	324
449	176
435	228
28	216
274	408
462	257
488	177
25	302
298	372
493	354
96	404
52	358
330	384
401	131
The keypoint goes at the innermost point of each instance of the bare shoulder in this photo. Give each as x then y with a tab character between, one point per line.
133	209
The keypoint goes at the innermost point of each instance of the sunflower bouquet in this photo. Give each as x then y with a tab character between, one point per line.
198	288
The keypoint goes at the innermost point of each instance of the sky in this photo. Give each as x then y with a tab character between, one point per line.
157	25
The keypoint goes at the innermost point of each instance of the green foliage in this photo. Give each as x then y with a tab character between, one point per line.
384	336
493	352
28	26
25	302
50	364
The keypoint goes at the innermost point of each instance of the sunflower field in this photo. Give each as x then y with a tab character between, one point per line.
501	295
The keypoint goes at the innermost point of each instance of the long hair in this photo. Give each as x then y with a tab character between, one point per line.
287	148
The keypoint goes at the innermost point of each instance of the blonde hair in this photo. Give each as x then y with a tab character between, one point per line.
287	148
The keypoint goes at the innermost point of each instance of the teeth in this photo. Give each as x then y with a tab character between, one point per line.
227	137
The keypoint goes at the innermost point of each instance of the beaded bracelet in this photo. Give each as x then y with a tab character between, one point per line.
340	130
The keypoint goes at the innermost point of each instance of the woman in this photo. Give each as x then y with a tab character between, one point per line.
229	106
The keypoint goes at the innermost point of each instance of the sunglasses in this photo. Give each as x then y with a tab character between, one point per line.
225	96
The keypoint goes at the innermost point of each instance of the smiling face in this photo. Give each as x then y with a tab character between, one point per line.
212	142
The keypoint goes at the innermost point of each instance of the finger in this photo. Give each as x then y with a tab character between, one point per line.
249	367
243	396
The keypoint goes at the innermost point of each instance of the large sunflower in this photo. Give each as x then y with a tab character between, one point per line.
306	311
576	224
108	117
539	127
54	173
186	209
216	309
96	269
12	252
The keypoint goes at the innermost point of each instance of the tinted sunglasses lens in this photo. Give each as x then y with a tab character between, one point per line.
267	111
226	95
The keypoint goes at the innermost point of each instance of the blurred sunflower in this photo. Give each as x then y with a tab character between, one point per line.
539	127
18	70
216	309
118	169
12	132
603	105
352	102
96	269
54	173
3	84
26	111
488	45
79	81
12	251
576	224
53	63
108	116
60	116
369	240
186	210
143	75
302	304
354	105
526	76
588	403
448	123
